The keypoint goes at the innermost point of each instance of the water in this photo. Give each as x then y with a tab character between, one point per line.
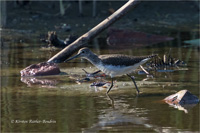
65	106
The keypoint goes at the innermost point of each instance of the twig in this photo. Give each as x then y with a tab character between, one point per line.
144	70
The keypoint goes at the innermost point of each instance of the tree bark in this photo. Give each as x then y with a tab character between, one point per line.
84	39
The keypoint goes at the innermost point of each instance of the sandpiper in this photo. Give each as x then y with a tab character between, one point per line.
113	64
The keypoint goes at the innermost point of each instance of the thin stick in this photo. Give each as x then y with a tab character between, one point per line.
144	70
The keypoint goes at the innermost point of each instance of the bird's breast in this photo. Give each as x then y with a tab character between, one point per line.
118	70
115	70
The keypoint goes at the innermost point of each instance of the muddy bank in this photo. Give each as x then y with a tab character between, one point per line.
40	16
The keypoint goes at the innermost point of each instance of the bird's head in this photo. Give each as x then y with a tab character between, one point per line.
84	52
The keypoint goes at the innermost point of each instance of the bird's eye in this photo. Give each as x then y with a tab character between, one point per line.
83	52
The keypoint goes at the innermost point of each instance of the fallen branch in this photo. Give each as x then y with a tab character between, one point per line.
84	39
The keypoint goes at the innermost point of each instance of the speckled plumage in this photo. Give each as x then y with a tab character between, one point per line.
119	59
113	64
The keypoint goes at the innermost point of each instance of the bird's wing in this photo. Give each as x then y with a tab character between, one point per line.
125	60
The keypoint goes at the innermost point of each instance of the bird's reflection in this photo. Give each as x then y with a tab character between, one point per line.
121	113
111	100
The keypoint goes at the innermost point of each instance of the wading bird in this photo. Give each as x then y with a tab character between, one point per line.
114	64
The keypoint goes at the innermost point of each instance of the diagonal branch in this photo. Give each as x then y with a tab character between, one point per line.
85	38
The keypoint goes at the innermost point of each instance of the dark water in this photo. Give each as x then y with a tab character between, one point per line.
65	106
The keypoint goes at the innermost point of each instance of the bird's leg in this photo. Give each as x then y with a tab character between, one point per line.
91	73
134	83
96	72
110	87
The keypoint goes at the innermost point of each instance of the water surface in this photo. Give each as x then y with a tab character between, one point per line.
65	106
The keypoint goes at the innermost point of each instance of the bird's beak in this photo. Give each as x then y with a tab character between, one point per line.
72	58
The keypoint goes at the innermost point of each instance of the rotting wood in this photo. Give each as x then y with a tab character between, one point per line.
84	39
53	40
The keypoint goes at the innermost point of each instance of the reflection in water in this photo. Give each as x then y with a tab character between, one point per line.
43	82
121	114
77	108
185	107
111	100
